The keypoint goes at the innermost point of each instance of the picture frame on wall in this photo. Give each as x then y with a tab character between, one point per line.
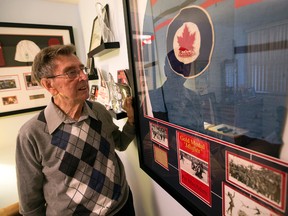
20	42
191	140
99	23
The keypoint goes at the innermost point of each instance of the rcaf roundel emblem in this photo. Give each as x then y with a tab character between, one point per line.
190	42
186	43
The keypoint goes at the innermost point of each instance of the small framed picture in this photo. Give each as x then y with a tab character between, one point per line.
93	74
96	35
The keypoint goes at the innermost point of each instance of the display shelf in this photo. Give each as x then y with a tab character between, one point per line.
103	49
118	116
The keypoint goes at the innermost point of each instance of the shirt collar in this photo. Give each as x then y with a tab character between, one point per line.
55	117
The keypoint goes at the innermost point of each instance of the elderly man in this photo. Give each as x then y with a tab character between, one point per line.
65	157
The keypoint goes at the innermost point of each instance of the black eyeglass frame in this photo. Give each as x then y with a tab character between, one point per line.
72	74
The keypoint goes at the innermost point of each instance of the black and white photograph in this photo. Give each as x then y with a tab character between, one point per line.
9	83
159	134
194	166
261	181
236	203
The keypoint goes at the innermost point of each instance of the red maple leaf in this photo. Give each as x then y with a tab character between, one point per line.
187	40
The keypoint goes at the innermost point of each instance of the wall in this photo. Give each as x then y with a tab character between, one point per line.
149	197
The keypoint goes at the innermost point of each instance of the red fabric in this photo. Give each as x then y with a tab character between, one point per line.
53	41
243	3
2	60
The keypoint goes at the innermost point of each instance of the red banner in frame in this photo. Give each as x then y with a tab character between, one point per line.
194	165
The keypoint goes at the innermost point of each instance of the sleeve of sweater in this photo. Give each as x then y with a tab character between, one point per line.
122	138
29	174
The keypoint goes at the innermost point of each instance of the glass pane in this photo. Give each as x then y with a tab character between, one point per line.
212	87
231	83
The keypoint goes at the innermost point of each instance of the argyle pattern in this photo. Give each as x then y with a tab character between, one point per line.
86	158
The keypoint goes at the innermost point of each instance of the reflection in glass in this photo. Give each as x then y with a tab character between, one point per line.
241	97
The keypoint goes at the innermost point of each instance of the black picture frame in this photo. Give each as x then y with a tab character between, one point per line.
18	92
164	147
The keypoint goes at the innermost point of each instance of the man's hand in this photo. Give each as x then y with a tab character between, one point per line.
128	107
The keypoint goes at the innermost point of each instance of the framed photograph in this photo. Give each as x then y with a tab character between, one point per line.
252	178
98	28
195	122
235	201
159	134
19	43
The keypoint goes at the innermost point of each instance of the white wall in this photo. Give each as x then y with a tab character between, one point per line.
149	197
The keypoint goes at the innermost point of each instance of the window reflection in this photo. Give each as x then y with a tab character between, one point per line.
241	97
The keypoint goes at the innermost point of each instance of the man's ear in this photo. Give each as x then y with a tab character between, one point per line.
49	85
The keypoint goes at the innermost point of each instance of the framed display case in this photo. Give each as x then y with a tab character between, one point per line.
211	85
19	43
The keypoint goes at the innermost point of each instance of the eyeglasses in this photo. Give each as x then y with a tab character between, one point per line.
72	74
